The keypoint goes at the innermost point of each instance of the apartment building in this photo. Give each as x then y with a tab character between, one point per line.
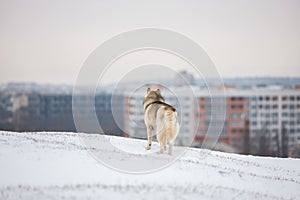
258	121
53	112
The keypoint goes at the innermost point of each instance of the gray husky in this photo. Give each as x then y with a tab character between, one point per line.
161	118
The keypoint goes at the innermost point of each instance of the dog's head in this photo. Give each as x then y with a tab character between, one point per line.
153	95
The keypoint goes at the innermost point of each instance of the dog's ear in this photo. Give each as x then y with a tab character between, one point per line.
158	91
148	90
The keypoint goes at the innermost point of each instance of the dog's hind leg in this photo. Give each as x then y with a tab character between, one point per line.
160	138
170	148
164	141
171	144
149	132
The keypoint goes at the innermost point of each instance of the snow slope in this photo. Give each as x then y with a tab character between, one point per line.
59	166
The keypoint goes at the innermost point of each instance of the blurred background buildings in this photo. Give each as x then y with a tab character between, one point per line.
262	114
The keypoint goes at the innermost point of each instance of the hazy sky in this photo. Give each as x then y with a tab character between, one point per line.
47	41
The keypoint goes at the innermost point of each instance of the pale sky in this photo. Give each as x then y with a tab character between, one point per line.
48	41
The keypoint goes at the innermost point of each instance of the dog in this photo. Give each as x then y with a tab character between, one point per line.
161	118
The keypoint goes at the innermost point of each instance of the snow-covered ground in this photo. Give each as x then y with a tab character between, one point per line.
60	166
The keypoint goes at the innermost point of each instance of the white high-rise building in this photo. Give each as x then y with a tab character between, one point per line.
268	116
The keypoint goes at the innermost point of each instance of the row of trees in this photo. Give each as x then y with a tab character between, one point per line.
270	144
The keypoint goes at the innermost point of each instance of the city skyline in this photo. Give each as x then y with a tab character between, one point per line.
256	112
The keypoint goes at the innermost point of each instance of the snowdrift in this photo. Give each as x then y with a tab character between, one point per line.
60	166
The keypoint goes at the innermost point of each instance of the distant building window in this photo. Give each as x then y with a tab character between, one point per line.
237	123
274	130
284	98
274	98
254	115
284	106
292	98
236	115
292	130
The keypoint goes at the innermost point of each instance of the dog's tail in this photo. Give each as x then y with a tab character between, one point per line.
170	113
171	123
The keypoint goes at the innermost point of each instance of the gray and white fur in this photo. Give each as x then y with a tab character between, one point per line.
160	118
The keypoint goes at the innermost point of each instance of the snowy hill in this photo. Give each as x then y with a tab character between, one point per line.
59	166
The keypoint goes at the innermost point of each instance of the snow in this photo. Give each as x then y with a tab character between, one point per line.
48	165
